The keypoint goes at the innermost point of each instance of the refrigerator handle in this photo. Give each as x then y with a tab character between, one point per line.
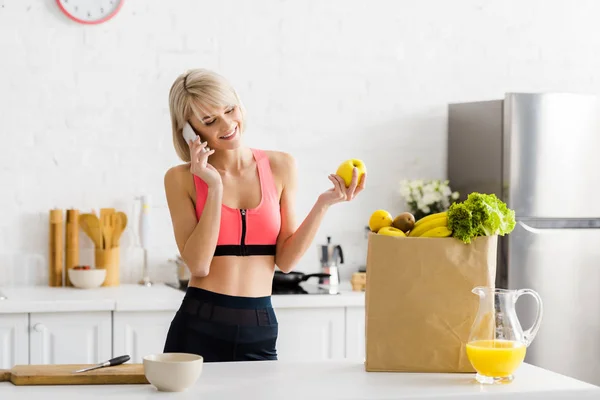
530	228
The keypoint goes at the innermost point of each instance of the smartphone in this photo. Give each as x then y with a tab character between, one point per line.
188	133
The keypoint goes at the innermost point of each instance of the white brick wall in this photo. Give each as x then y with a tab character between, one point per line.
84	119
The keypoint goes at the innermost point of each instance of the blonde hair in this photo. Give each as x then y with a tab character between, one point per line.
191	93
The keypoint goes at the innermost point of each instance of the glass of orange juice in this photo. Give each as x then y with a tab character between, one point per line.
497	344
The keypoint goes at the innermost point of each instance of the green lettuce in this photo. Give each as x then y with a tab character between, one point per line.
480	215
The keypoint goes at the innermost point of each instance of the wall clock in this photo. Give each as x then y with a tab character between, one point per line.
90	11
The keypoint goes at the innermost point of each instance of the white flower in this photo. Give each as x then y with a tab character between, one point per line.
405	191
428	189
427	195
417	184
430	198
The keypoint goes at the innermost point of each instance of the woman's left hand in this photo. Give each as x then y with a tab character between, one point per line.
340	192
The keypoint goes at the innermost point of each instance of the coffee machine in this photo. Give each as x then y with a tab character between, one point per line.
331	256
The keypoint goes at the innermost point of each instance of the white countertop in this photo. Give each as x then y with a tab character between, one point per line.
328	380
132	297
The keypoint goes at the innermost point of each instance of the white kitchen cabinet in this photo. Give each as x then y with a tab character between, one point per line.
14	340
311	333
139	333
355	333
70	337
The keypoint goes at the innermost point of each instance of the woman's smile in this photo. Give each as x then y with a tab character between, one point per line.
232	134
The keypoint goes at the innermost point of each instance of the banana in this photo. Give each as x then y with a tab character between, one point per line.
430	217
439	232
433	223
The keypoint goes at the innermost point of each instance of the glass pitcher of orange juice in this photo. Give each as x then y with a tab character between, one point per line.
497	344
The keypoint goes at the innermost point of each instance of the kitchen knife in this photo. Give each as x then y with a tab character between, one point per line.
111	362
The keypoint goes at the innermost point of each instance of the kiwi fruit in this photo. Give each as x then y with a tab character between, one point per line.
405	222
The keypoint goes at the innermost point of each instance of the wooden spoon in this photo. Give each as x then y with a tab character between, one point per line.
107	226
120	222
91	226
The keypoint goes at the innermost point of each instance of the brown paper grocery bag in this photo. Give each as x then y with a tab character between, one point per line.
419	304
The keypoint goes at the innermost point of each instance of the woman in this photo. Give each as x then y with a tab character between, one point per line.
233	218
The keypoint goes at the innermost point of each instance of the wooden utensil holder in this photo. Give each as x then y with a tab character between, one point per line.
108	259
72	243
56	242
359	281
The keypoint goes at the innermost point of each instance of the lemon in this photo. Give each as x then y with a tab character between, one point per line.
380	219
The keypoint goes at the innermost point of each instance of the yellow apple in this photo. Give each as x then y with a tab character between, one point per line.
345	170
391	231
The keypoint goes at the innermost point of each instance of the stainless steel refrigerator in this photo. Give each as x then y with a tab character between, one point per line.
540	153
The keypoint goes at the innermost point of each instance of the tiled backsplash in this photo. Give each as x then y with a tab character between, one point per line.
85	123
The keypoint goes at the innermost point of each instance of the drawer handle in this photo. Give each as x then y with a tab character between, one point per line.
39	327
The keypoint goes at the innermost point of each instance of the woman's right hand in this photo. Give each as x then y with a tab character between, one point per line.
199	165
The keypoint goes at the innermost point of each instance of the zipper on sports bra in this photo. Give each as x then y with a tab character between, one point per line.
243	238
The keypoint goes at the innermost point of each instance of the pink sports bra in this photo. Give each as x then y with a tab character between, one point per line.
247	232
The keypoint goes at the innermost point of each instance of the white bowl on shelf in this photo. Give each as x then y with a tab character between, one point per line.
87	278
173	372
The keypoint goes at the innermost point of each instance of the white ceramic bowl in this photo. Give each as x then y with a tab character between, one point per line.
173	372
87	278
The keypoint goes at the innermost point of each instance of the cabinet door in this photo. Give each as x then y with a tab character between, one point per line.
70	338
355	333
14	344
311	334
141	333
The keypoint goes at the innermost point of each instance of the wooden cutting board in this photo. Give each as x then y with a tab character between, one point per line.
63	374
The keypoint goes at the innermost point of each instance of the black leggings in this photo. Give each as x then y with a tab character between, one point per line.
223	328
